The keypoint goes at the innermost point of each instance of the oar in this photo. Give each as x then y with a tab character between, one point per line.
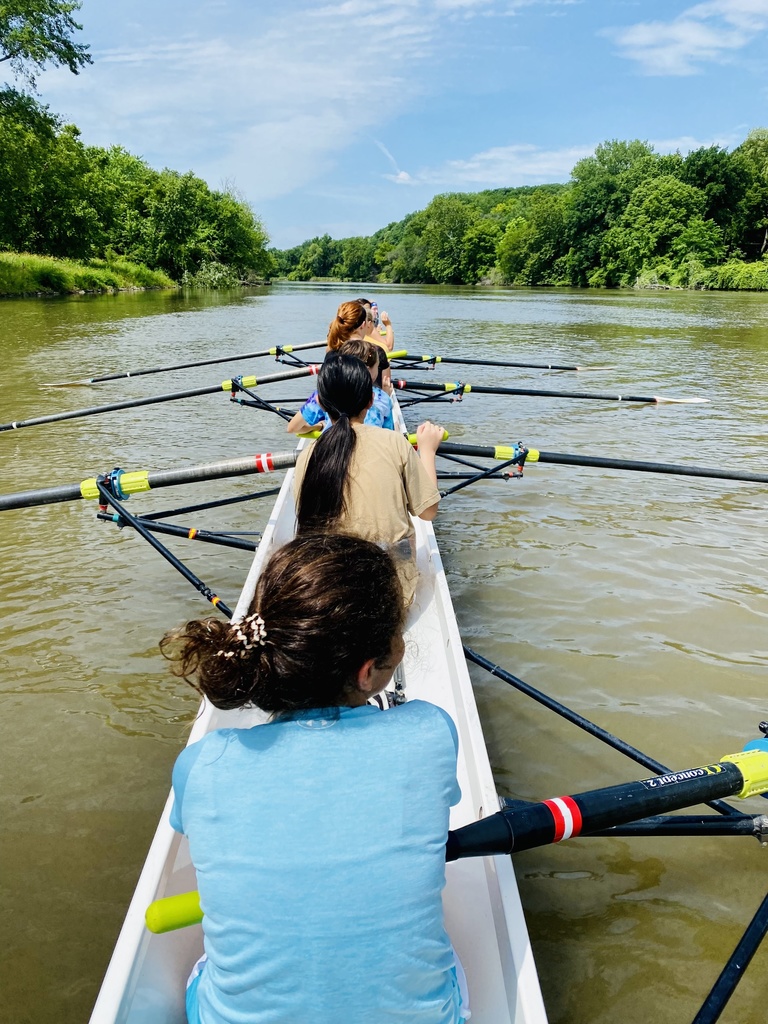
276	351
412	385
250	382
491	362
527	825
125	484
503	453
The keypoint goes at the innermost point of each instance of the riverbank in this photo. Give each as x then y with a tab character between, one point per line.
27	274
731	276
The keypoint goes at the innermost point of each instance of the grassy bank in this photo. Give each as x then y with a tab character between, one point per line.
25	274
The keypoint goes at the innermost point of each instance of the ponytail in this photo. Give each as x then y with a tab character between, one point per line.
344	390
349	316
323	606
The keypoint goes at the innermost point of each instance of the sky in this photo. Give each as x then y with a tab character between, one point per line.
341	117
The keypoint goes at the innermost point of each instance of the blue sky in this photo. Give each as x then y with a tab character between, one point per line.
344	116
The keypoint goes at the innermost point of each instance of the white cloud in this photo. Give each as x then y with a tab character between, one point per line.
272	107
685	143
520	164
526	164
706	32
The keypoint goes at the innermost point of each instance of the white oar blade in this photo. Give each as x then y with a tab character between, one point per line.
680	401
67	384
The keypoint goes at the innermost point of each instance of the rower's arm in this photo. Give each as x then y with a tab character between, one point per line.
429	436
298	425
388	340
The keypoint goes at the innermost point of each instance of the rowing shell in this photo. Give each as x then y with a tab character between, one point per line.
145	980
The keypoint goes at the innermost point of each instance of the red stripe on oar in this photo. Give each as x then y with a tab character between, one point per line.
264	463
314	368
400	384
566	816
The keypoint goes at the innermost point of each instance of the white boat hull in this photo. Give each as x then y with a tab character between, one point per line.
146	977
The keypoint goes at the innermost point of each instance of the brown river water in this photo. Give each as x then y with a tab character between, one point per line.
641	601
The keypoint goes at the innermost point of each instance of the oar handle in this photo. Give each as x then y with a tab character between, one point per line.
537	824
528	825
312	435
174	912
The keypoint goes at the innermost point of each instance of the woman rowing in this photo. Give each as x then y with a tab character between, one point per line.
311	416
361	480
320	862
355	320
379	326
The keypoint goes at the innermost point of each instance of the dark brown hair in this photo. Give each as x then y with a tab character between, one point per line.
328	604
361	349
349	316
344	390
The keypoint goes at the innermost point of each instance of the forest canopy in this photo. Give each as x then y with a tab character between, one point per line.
627	216
59	197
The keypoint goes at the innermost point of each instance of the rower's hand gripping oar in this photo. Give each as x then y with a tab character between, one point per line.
458	389
538	824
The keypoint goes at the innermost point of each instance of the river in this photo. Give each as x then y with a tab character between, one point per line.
641	601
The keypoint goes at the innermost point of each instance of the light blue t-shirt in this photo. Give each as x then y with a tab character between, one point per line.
379	415
319	844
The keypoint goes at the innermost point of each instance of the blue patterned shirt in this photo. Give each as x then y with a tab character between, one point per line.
379	415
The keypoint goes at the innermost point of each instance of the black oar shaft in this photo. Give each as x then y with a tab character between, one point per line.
559	459
537	824
274	351
491	362
136	483
503	452
582	723
731	974
172	530
152	400
483	390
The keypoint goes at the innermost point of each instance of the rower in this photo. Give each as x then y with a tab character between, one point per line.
311	416
381	326
354	320
360	480
320	863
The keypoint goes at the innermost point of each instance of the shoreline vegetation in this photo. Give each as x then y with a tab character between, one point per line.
26	275
82	219
628	218
77	218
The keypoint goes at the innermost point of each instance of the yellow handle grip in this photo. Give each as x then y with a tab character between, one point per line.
174	912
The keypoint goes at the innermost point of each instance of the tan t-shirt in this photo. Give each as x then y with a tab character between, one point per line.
386	481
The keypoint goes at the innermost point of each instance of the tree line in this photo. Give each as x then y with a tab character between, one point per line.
628	216
63	198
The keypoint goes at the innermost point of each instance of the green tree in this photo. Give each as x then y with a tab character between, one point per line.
45	181
532	247
34	33
663	220
513	248
753	156
357	262
724	180
602	186
448	219
478	250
